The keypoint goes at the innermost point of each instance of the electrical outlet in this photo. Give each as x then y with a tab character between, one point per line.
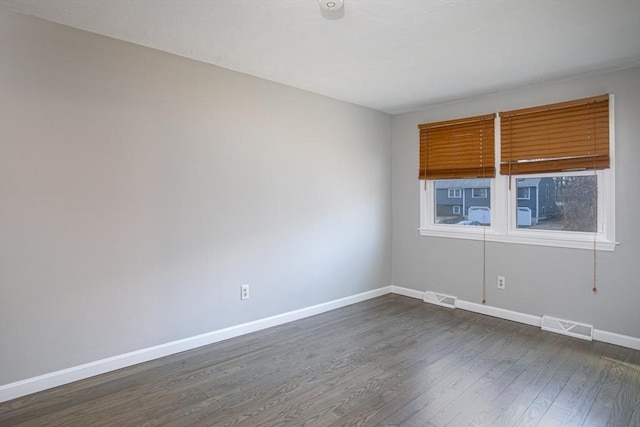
244	292
501	282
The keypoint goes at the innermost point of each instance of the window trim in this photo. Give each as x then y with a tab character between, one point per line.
428	226
603	232
502	231
503	227
456	208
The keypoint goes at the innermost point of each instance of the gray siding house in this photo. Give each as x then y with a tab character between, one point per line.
537	197
455	197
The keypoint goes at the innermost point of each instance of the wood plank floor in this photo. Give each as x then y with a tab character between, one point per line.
389	361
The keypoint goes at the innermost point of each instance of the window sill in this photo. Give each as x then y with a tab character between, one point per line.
490	235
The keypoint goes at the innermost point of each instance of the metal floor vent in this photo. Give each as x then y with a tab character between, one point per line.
567	327
440	299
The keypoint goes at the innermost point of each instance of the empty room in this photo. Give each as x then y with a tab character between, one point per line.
319	213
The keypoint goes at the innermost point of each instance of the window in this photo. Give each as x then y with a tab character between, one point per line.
573	206
555	185
455	193
454	156
449	211
479	193
578	213
524	193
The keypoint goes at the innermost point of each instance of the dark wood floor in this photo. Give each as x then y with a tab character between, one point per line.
392	360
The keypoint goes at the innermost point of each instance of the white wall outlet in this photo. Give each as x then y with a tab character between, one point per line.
501	282
244	292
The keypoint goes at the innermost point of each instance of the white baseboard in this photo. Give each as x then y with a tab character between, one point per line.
617	339
502	313
407	292
529	319
66	376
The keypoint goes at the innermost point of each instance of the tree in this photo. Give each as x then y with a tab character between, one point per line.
577	201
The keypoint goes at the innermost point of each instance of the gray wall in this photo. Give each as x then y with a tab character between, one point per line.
540	280
139	190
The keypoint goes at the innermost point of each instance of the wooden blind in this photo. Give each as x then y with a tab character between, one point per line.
462	148
571	135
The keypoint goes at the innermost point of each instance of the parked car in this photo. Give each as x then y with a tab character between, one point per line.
469	223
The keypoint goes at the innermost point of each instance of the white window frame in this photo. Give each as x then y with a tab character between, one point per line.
428	226
455	191
456	209
603	236
503	205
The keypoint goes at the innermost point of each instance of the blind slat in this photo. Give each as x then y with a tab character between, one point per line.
557	137
463	148
597	162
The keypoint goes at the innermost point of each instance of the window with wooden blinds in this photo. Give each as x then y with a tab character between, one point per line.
462	148
560	137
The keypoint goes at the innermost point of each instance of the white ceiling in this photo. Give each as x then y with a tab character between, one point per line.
389	55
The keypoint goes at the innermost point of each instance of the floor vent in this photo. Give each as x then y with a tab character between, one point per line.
440	299
567	327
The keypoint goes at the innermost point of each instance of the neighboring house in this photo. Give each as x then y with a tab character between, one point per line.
538	195
455	197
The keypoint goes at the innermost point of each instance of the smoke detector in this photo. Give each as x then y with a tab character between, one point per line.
331	5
